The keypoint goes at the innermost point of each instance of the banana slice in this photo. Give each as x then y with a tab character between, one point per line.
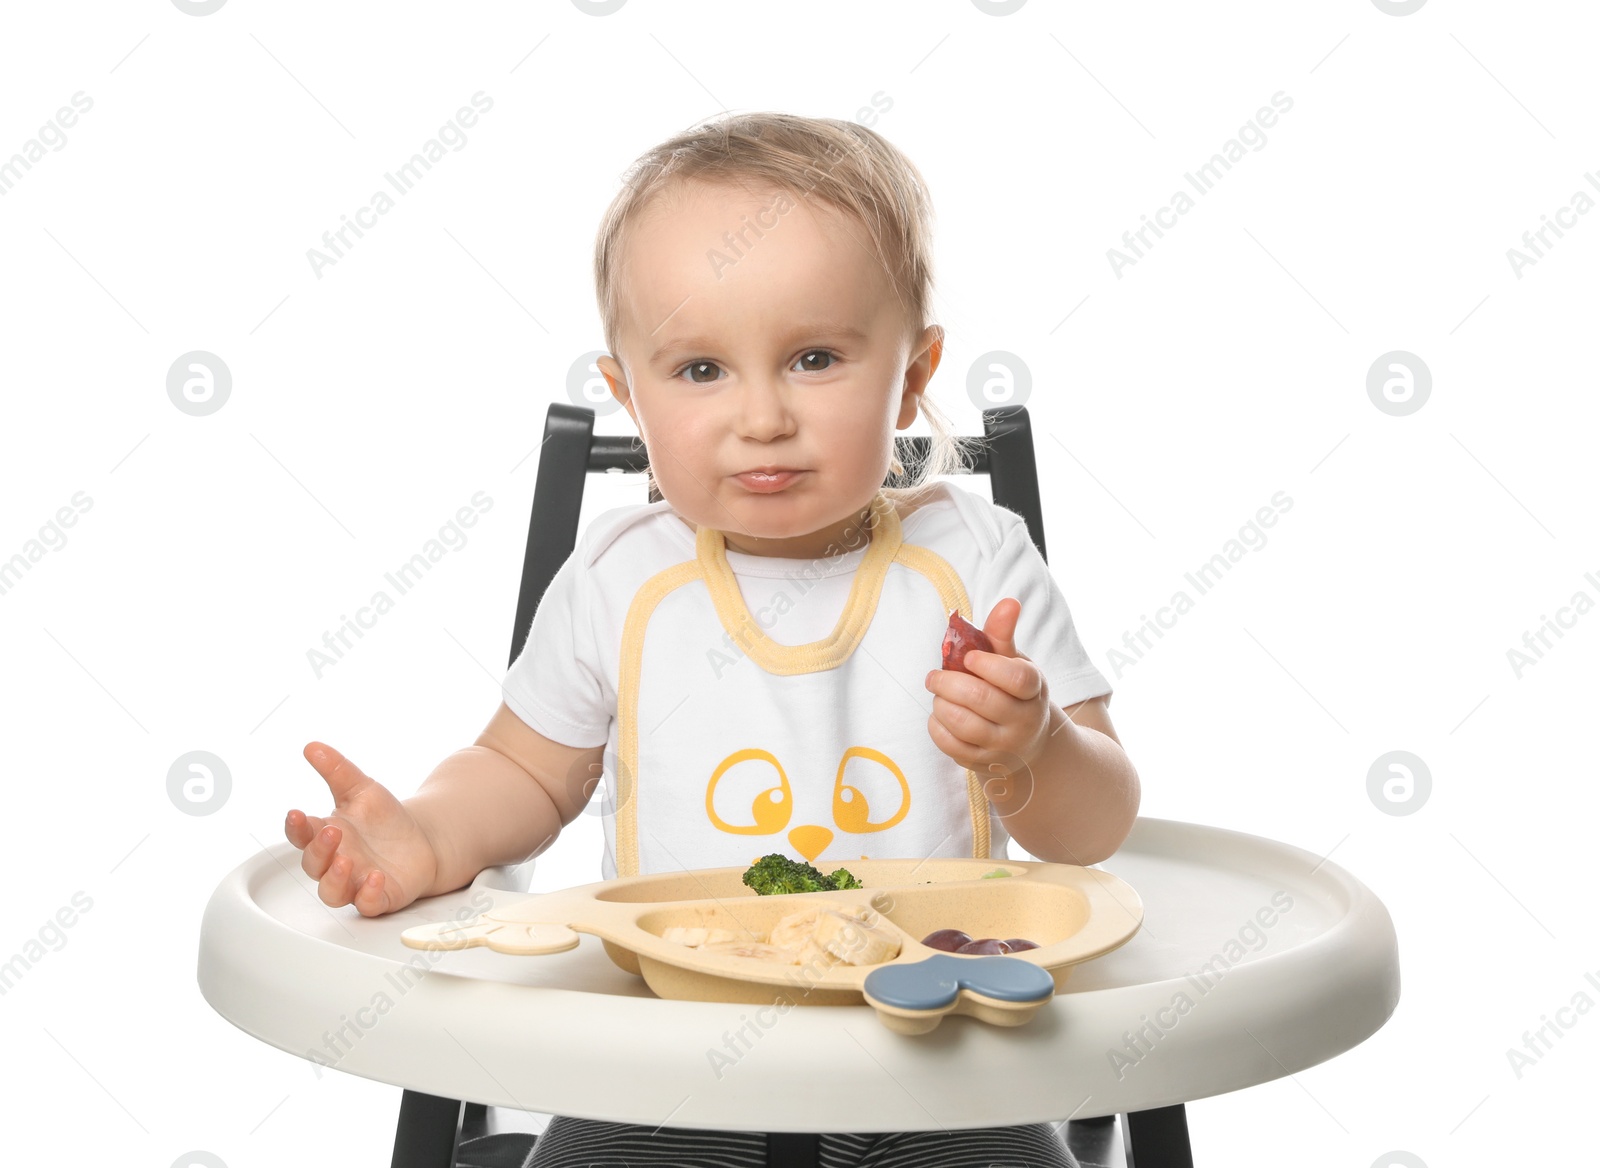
856	938
792	931
758	949
818	937
814	958
695	936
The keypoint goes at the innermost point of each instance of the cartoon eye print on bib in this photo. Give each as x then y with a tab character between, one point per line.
879	799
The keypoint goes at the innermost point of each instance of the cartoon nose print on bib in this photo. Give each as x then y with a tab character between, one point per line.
877	799
733	745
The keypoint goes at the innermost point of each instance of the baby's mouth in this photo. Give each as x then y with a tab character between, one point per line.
766	482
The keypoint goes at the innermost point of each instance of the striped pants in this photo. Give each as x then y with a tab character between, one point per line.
587	1143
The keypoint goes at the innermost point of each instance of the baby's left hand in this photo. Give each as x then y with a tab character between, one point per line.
997	721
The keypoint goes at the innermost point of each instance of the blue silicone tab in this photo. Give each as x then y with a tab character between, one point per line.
934	982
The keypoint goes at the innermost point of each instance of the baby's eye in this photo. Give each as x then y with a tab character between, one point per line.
816	368
695	365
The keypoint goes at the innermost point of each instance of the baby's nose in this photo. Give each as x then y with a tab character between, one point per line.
763	412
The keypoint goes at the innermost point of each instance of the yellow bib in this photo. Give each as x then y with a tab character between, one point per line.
732	745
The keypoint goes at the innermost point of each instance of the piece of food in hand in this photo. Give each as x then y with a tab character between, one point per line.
776	874
950	940
695	936
960	637
856	938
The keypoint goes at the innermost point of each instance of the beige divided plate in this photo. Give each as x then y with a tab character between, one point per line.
1073	913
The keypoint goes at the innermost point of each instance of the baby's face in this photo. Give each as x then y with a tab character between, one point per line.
782	346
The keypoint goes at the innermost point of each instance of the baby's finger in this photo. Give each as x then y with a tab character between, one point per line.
964	722
961	752
321	851
343	777
372	898
301	828
1016	676
334	886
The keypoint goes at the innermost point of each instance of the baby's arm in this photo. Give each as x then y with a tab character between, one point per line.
1080	798
503	799
1061	783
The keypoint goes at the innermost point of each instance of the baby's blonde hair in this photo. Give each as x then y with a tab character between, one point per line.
843	164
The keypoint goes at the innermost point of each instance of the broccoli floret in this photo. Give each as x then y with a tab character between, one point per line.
777	874
840	878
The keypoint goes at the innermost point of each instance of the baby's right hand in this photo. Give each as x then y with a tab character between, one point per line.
371	851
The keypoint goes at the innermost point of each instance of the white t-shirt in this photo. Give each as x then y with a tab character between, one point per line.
752	704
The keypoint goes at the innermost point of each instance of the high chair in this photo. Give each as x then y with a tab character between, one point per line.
1324	977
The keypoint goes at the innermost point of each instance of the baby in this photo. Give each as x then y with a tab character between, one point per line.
743	652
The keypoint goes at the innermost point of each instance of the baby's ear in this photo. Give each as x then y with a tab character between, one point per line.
612	372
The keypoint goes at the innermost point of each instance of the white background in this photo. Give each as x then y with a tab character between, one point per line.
370	403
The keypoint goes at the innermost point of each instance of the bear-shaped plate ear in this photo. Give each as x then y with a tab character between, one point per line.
520	938
935	983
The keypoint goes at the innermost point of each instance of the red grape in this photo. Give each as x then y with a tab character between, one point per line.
1021	943
985	945
960	636
950	940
